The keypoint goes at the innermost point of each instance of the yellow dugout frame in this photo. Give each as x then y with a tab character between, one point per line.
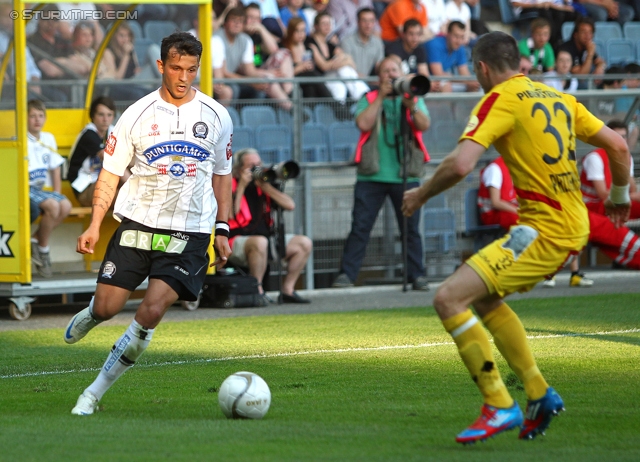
65	124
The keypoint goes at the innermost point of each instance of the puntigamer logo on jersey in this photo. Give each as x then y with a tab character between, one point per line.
175	148
151	241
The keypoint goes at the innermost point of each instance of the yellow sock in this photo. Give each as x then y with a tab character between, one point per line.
511	339
475	351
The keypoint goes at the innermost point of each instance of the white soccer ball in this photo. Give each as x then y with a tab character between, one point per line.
244	395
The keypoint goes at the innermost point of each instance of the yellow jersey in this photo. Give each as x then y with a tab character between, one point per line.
534	128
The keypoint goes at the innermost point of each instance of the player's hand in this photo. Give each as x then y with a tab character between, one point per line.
617	213
223	251
411	201
87	241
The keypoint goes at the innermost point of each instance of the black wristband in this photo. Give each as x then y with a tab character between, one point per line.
222	228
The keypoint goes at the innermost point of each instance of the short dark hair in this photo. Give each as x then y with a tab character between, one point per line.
319	16
183	42
235	12
253	5
498	51
36	104
632	68
613	70
583	20
458	24
409	23
366	9
105	101
539	23
617	124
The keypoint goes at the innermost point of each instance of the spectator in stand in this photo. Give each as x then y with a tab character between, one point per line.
267	55
222	92
218	18
121	54
345	14
33	73
302	56
537	47
69	21
270	14
45	184
87	152
458	10
555	11
409	50
293	9
239	61
366	48
595	179
602	10
564	81
251	226
331	61
525	65
446	56
314	8
582	48
436	16
396	14
497	199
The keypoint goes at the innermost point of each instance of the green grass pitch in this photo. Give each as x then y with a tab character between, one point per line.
382	385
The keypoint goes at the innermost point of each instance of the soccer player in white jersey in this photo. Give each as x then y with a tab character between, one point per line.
180	188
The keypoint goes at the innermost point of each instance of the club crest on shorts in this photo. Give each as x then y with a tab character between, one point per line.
108	270
200	130
520	238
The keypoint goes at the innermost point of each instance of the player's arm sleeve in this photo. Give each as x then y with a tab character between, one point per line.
119	148
586	125
223	149
490	119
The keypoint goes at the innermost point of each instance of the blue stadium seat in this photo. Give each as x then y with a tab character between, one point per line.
235	117
157	30
437	202
439	230
620	51
607	30
135	27
601	50
631	31
324	114
508	16
315	147
343	139
255	116
285	117
242	138
567	30
141	47
274	143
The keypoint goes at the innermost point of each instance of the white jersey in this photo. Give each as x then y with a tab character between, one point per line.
43	156
176	150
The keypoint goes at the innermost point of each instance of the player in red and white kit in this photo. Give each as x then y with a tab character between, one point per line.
180	142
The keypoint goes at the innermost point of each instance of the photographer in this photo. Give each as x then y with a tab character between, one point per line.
380	174
251	226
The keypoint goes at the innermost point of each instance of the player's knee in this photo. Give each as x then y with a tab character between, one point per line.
443	298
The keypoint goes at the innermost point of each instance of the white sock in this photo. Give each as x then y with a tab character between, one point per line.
123	355
44	249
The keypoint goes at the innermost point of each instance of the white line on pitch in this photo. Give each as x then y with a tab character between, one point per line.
302	353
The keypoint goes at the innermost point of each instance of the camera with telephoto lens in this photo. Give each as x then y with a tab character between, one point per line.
418	85
289	169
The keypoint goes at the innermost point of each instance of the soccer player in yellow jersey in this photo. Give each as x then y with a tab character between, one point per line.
534	128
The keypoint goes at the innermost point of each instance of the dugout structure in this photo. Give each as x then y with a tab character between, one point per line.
16	282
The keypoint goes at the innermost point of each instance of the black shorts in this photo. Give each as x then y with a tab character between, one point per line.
136	251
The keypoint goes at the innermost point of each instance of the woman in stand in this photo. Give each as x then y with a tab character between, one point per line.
331	61
303	65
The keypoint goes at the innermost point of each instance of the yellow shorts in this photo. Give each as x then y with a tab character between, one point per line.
521	259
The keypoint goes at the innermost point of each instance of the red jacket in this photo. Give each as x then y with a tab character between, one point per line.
507	191
243	217
589	194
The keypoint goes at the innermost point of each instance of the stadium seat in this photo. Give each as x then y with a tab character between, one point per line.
508	16
437	202
567	30
136	29
607	30
620	51
343	139
157	30
285	117
439	230
473	228
274	143
242	137
315	147
601	50
235	117
324	114
142	47
631	31
255	116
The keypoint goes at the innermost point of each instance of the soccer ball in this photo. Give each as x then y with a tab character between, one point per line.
244	395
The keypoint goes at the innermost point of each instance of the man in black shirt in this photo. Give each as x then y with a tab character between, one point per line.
251	226
409	49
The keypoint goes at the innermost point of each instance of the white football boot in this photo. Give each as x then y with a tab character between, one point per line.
86	405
